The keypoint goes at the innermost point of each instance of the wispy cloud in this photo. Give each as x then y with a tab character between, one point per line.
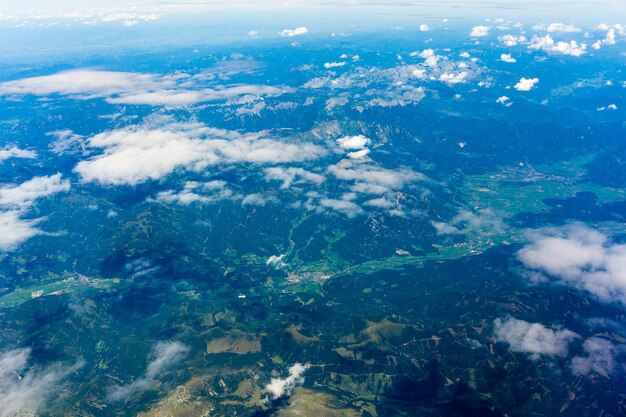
164	355
26	389
15	152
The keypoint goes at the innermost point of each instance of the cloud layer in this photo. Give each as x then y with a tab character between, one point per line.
138	154
177	89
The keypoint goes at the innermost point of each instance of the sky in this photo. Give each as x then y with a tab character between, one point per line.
573	11
565	6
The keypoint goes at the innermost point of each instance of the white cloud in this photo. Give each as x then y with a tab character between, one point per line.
280	387
386	87
424	28
164	356
293	32
344	206
257	199
511	40
507	58
451	78
16	200
608	40
67	142
353	142
526	84
358	154
557	27
292	175
502	99
14	230
485	221
419	73
599	357
86	16
379	203
276	260
533	338
329	65
546	43
29	390
580	257
139	154
25	194
480	30
370	179
15	152
177	89
197	192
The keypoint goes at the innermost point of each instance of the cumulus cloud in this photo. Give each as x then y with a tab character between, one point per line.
353	142
15	152
280	387
507	58
503	100
177	89
557	27
358	154
292	175
478	31
293	32
138	154
526	84
580	257
533	338
453	78
26	389
164	355
511	40
610	38
546	43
